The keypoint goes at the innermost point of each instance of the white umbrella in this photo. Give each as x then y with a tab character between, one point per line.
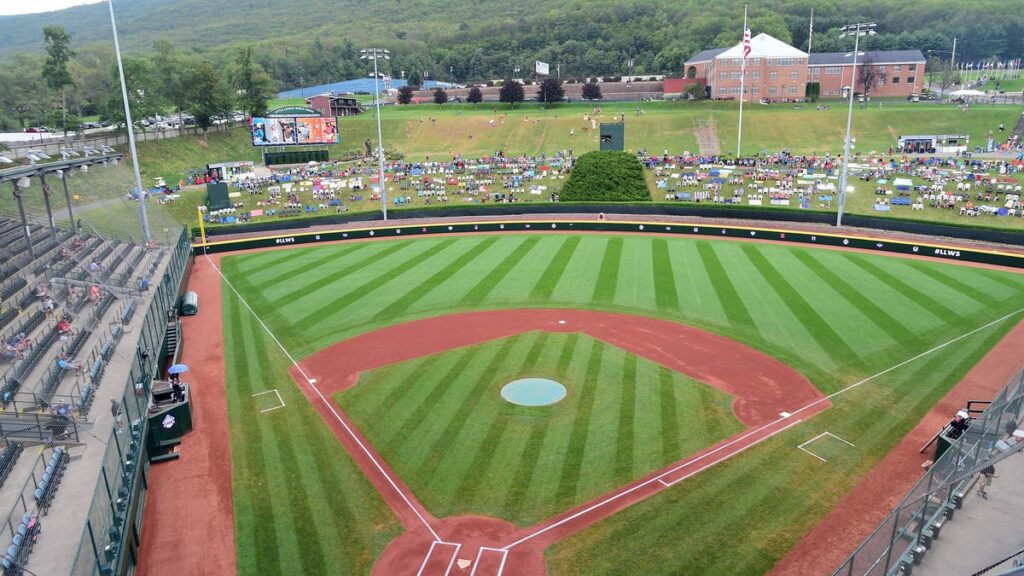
965	93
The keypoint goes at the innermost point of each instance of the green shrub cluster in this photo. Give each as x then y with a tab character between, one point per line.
606	177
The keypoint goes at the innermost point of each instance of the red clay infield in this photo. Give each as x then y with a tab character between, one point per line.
762	386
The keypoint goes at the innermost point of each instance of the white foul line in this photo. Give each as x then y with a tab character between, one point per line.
618	495
279	399
312	384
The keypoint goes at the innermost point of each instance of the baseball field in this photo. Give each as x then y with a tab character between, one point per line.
721	397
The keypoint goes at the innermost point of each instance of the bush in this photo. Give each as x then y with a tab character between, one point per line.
490	83
606	177
593	79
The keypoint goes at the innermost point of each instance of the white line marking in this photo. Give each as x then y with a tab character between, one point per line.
724	458
330	407
430	553
618	495
479	554
279	399
825	433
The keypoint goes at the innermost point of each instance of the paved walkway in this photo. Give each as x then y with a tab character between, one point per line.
984	531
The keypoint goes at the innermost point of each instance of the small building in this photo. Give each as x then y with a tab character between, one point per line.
331	105
777	71
934	143
897	73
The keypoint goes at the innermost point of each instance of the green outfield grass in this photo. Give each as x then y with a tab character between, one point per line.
463	449
837	317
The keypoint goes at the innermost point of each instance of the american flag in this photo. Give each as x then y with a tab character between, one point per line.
746	43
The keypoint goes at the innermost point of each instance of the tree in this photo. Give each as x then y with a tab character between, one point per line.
210	97
695	92
415	79
592	91
141	86
251	82
440	96
475	96
172	70
55	68
405	94
511	92
550	90
867	76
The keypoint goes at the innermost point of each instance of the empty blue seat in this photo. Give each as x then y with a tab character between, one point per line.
23	529
17	540
8	561
38	494
47	475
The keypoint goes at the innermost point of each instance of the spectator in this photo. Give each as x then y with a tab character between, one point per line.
115	410
63	328
987	474
64	362
62	409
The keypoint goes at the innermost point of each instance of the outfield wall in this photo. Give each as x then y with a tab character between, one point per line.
742	212
883	245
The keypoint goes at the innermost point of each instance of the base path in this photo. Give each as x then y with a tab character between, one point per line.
770	397
188	504
832	540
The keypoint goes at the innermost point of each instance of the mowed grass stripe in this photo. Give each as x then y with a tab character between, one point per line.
570	478
548	280
248	262
329	257
401	388
250	489
336	306
873	312
428	402
282	441
489	282
669	422
815	324
625	434
735	310
419	291
665	294
1012	280
468	405
527	467
963	288
608	276
311	284
940	310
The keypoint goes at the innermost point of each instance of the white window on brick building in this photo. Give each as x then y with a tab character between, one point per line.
833	70
773	75
910	79
771	90
792	90
755	74
755	90
895	79
736	75
794	75
897	68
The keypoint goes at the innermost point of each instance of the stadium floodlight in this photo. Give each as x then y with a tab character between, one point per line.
376	54
69	152
106	149
143	220
6	160
40	154
33	158
89	151
856	30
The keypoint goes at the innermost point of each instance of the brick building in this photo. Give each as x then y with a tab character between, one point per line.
777	71
332	105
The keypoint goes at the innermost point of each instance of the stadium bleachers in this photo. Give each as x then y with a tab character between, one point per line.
21	546
48	484
8	458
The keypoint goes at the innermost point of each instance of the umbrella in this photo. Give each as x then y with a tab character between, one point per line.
177	369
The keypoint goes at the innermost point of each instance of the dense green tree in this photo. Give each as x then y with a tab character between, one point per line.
511	92
210	95
143	93
415	79
475	96
55	68
252	84
440	96
172	71
592	91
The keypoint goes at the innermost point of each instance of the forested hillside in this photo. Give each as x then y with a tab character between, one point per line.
310	42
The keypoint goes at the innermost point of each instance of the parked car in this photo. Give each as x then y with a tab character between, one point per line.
91	125
36	129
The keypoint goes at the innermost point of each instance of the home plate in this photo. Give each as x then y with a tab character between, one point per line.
463	563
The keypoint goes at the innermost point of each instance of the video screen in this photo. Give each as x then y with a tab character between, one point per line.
294	131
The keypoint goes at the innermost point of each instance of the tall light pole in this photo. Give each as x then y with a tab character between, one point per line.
131	131
515	71
856	30
375	54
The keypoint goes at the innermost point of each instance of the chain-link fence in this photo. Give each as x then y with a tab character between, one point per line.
907	533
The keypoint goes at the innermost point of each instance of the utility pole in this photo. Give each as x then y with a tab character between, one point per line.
375	54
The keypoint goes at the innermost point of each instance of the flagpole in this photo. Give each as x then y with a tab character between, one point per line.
810	33
743	78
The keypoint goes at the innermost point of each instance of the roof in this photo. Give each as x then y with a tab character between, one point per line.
705	55
879	57
764	46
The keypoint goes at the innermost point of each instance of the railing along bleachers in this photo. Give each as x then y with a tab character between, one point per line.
8	458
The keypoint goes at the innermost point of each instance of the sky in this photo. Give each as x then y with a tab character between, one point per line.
9	7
